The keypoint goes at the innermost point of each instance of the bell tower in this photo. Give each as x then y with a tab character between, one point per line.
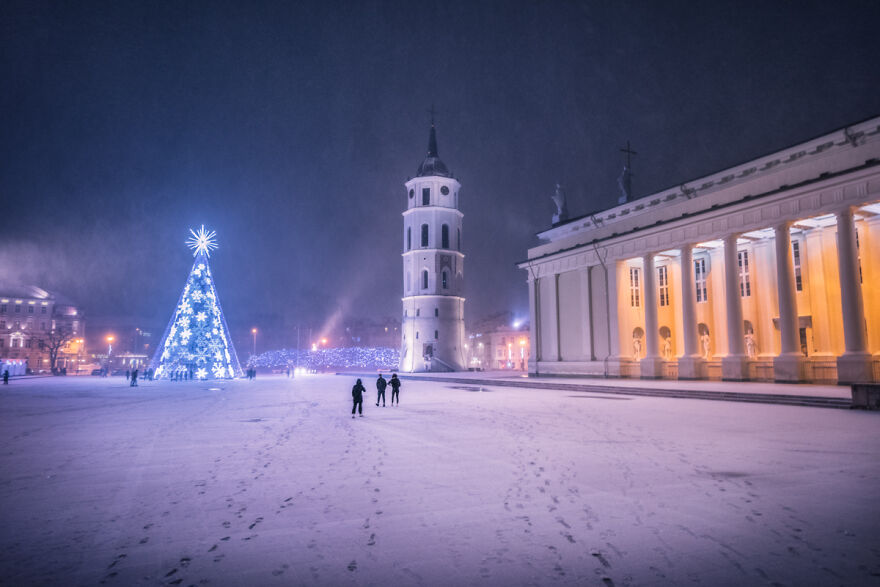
433	269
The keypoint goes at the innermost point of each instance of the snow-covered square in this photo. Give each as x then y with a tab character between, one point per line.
271	482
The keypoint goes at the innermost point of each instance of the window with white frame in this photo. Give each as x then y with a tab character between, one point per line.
796	255
745	288
634	294
700	279
663	283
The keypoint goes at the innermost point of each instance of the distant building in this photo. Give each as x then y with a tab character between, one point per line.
762	271
499	346
433	269
32	321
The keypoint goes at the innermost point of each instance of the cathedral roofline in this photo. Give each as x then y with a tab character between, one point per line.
762	169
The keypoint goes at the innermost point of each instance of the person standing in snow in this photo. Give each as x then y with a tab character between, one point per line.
395	388
357	396
134	378
381	384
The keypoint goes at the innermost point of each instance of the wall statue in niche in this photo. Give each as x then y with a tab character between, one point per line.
638	335
705	341
666	345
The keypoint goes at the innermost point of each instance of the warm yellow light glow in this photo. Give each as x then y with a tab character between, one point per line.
253	330
110	339
522	341
323	341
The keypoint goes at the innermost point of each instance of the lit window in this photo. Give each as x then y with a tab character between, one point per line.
634	299
444	236
663	282
424	235
796	253
745	288
700	278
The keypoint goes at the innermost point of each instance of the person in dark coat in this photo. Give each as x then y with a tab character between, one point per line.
134	378
6	377
381	384
357	396
395	389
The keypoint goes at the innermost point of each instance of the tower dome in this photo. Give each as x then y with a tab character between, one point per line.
432	165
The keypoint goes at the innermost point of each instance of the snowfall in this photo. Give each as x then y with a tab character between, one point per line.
271	482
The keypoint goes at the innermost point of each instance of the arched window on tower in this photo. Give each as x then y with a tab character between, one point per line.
425	279
444	236
424	235
408	238
445	279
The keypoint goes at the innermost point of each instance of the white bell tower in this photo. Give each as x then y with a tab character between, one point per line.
433	269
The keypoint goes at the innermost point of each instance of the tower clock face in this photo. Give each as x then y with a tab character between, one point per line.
444	190
412	193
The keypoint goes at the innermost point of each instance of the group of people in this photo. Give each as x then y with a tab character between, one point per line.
132	376
357	393
251	373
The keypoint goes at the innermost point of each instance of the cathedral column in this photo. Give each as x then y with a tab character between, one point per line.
854	365
613	270
690	364
651	367
534	326
790	364
734	366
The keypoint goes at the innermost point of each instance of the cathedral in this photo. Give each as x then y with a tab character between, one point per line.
757	272
433	269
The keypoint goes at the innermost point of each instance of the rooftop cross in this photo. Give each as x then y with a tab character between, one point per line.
432	112
628	152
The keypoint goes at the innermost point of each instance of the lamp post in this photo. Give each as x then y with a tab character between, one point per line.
254	332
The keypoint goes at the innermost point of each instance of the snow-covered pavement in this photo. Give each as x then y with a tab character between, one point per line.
272	483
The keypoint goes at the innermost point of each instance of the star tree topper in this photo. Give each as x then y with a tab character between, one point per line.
202	241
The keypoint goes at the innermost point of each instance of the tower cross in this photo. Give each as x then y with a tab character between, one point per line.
628	152
432	112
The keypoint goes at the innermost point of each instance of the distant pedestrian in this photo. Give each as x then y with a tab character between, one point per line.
395	389
357	397
6	377
127	374
381	384
134	378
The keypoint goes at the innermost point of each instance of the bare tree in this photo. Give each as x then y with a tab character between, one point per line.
54	340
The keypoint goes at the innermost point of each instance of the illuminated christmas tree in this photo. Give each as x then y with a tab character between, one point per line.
197	342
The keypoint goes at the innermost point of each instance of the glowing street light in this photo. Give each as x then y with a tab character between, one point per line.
110	340
254	332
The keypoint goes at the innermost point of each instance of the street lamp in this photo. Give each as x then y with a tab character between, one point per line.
109	346
254	332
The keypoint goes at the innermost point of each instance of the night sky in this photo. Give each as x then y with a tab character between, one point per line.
290	128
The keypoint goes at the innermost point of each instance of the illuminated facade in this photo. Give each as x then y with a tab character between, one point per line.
432	337
31	321
758	272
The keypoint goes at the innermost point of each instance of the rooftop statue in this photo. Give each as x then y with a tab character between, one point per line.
558	198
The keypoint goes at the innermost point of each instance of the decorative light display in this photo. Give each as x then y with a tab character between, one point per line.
196	343
340	358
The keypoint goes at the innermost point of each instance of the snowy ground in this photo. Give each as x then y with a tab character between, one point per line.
272	483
